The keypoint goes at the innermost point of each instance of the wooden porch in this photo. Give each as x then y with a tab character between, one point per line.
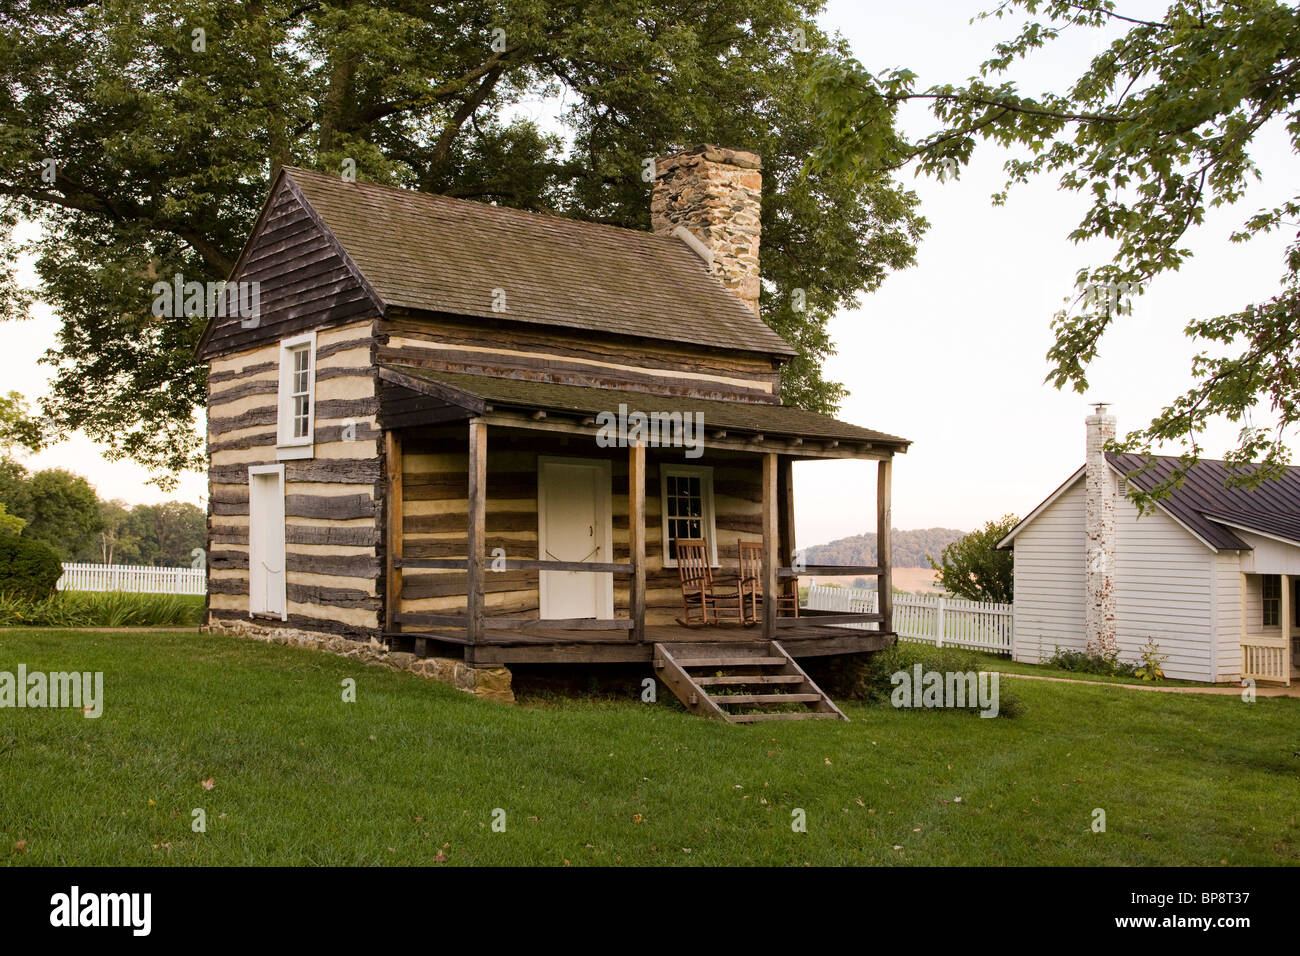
486	638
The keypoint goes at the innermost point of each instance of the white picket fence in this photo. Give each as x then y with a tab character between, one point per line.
138	580
930	618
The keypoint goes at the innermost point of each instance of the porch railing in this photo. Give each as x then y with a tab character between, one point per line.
1266	661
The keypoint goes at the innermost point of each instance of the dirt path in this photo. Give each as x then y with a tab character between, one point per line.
1260	691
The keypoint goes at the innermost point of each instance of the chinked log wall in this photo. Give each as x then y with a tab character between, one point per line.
434	518
567	358
333	518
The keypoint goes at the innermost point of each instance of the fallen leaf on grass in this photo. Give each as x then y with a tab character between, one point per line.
209	783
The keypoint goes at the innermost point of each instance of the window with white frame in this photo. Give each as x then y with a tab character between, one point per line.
1272	600
686	497
297	415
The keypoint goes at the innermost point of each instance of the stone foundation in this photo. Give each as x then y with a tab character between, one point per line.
490	683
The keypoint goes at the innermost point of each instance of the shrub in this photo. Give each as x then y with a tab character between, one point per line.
102	609
29	569
1152	664
1091	662
867	677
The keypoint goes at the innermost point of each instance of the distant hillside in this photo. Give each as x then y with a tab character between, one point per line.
909	548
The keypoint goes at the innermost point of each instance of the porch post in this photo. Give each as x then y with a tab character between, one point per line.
393	524
475	537
770	535
785	503
636	537
1287	617
884	519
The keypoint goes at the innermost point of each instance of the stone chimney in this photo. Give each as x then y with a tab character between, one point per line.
1099	523
710	198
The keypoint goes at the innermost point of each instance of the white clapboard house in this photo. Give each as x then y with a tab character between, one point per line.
1212	575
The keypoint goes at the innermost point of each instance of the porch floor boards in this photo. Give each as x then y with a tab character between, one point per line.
565	646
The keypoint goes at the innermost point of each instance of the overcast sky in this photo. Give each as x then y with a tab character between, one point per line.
949	354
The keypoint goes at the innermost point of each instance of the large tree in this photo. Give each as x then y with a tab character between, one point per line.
1156	130
142	136
59	508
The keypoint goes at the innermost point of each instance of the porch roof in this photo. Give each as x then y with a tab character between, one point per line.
476	393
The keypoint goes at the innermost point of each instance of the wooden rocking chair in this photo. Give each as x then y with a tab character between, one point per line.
701	594
751	584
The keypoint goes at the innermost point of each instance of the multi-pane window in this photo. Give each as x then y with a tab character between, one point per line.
687	506
297	399
300	392
1272	600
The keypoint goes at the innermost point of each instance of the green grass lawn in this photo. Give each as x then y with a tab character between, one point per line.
996	662
412	772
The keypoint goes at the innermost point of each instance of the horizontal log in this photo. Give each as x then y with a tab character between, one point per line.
362	470
562	624
300	621
367	536
432	620
444	635
492	566
323	506
831	571
363	566
269	414
496	521
417	586
230	375
331	597
438	564
243	390
455	547
828	618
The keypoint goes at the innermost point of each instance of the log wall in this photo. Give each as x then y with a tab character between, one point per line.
447	344
434	520
334	528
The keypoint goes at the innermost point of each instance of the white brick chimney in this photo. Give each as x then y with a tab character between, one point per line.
713	197
1099	524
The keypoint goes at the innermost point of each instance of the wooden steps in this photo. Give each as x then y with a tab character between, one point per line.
741	682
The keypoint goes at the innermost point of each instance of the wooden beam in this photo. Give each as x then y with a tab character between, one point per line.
476	535
525	624
393	506
770	562
518	564
1288	616
832	571
884	558
756	444
636	537
785	506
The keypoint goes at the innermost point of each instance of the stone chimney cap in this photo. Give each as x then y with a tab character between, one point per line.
718	154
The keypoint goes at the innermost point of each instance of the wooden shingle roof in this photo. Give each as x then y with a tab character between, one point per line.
430	253
753	418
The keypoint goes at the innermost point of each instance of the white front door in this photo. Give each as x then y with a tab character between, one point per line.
574	524
266	577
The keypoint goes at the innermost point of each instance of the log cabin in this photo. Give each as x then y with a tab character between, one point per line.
411	442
